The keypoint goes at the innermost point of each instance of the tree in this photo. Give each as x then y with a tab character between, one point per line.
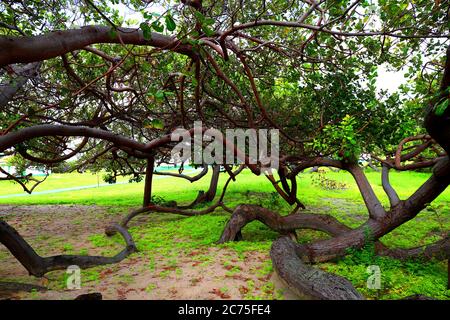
112	94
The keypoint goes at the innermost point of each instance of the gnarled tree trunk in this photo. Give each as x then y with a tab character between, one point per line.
306	281
38	266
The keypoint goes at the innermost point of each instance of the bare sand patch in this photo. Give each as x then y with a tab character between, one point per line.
205	273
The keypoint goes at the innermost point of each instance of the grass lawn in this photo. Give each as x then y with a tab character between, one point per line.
183	191
162	235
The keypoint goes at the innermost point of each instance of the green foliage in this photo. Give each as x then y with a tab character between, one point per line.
136	178
321	180
151	287
154	124
170	23
441	107
109	178
146	31
343	137
205	23
153	21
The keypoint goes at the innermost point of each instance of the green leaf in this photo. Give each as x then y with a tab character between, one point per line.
157	124
170	23
200	17
157	26
209	21
146	31
441	107
208	31
154	124
150	15
159	95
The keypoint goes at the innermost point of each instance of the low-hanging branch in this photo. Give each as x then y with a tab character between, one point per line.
38	266
74	152
184	176
22	180
185	212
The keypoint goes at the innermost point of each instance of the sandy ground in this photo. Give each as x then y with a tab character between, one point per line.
50	229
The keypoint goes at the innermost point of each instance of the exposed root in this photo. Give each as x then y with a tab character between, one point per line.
127	219
185	212
157	208
439	250
306	281
38	266
246	213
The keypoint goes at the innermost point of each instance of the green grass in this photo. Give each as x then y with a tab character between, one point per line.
183	191
56	181
398	278
167	234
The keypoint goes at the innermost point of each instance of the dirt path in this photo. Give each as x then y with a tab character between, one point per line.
203	273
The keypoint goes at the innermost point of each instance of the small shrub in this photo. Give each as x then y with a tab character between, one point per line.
321	180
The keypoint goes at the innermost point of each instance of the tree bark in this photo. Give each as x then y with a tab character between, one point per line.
246	213
148	181
209	195
45	130
24	73
212	190
387	187
17	287
90	296
54	44
127	219
38	266
439	250
438	125
306	281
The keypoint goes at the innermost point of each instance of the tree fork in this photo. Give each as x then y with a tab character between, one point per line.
209	195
